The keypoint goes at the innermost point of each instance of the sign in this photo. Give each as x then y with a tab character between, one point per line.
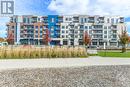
6	7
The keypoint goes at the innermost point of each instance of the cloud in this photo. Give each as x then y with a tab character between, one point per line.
91	7
69	6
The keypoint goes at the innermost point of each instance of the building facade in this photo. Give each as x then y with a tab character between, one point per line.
66	30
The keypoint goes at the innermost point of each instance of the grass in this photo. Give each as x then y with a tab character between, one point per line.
114	54
44	52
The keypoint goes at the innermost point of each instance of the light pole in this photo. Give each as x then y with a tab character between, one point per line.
105	41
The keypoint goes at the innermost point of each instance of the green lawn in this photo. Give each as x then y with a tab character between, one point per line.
114	54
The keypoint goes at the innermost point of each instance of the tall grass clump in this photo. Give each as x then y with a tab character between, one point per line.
41	52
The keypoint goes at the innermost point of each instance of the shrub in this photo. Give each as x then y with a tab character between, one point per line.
44	52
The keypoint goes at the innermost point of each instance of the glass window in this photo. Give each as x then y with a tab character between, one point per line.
66	19
36	36
108	21
24	20
105	32
105	27
85	19
81	26
63	27
86	27
41	26
70	19
63	36
105	36
36	26
52	19
76	27
90	27
63	31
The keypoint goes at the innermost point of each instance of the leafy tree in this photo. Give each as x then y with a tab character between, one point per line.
2	39
46	38
124	39
86	39
10	38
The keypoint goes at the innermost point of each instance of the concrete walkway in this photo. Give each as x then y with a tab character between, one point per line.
61	62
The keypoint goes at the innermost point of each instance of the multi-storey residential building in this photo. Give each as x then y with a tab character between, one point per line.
66	30
26	29
100	28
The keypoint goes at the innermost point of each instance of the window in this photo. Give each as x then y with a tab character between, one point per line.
76	36
108	21
52	20
40	32
105	36
63	31
109	27
114	36
76	32
63	27
36	27
86	27
112	20
81	26
85	20
66	27
76	27
36	31
90	27
24	20
105	32
63	36
38	19
36	36
66	19
98	26
41	27
72	26
40	36
114	31
82	20
105	27
70	19
52	28
66	31
28	20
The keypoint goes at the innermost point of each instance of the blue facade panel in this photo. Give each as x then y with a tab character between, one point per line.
54	28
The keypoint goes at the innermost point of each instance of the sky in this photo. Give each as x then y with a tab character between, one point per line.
69	7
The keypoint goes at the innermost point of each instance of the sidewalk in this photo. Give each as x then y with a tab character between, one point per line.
63	62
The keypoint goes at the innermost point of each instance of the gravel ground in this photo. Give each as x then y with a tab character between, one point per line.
87	76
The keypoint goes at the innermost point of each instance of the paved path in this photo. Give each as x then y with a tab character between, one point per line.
58	63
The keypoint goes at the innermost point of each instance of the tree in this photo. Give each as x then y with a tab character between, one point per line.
10	38
2	39
46	39
86	39
124	39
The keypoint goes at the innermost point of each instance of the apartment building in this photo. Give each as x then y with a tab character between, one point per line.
26	29
102	29
66	29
